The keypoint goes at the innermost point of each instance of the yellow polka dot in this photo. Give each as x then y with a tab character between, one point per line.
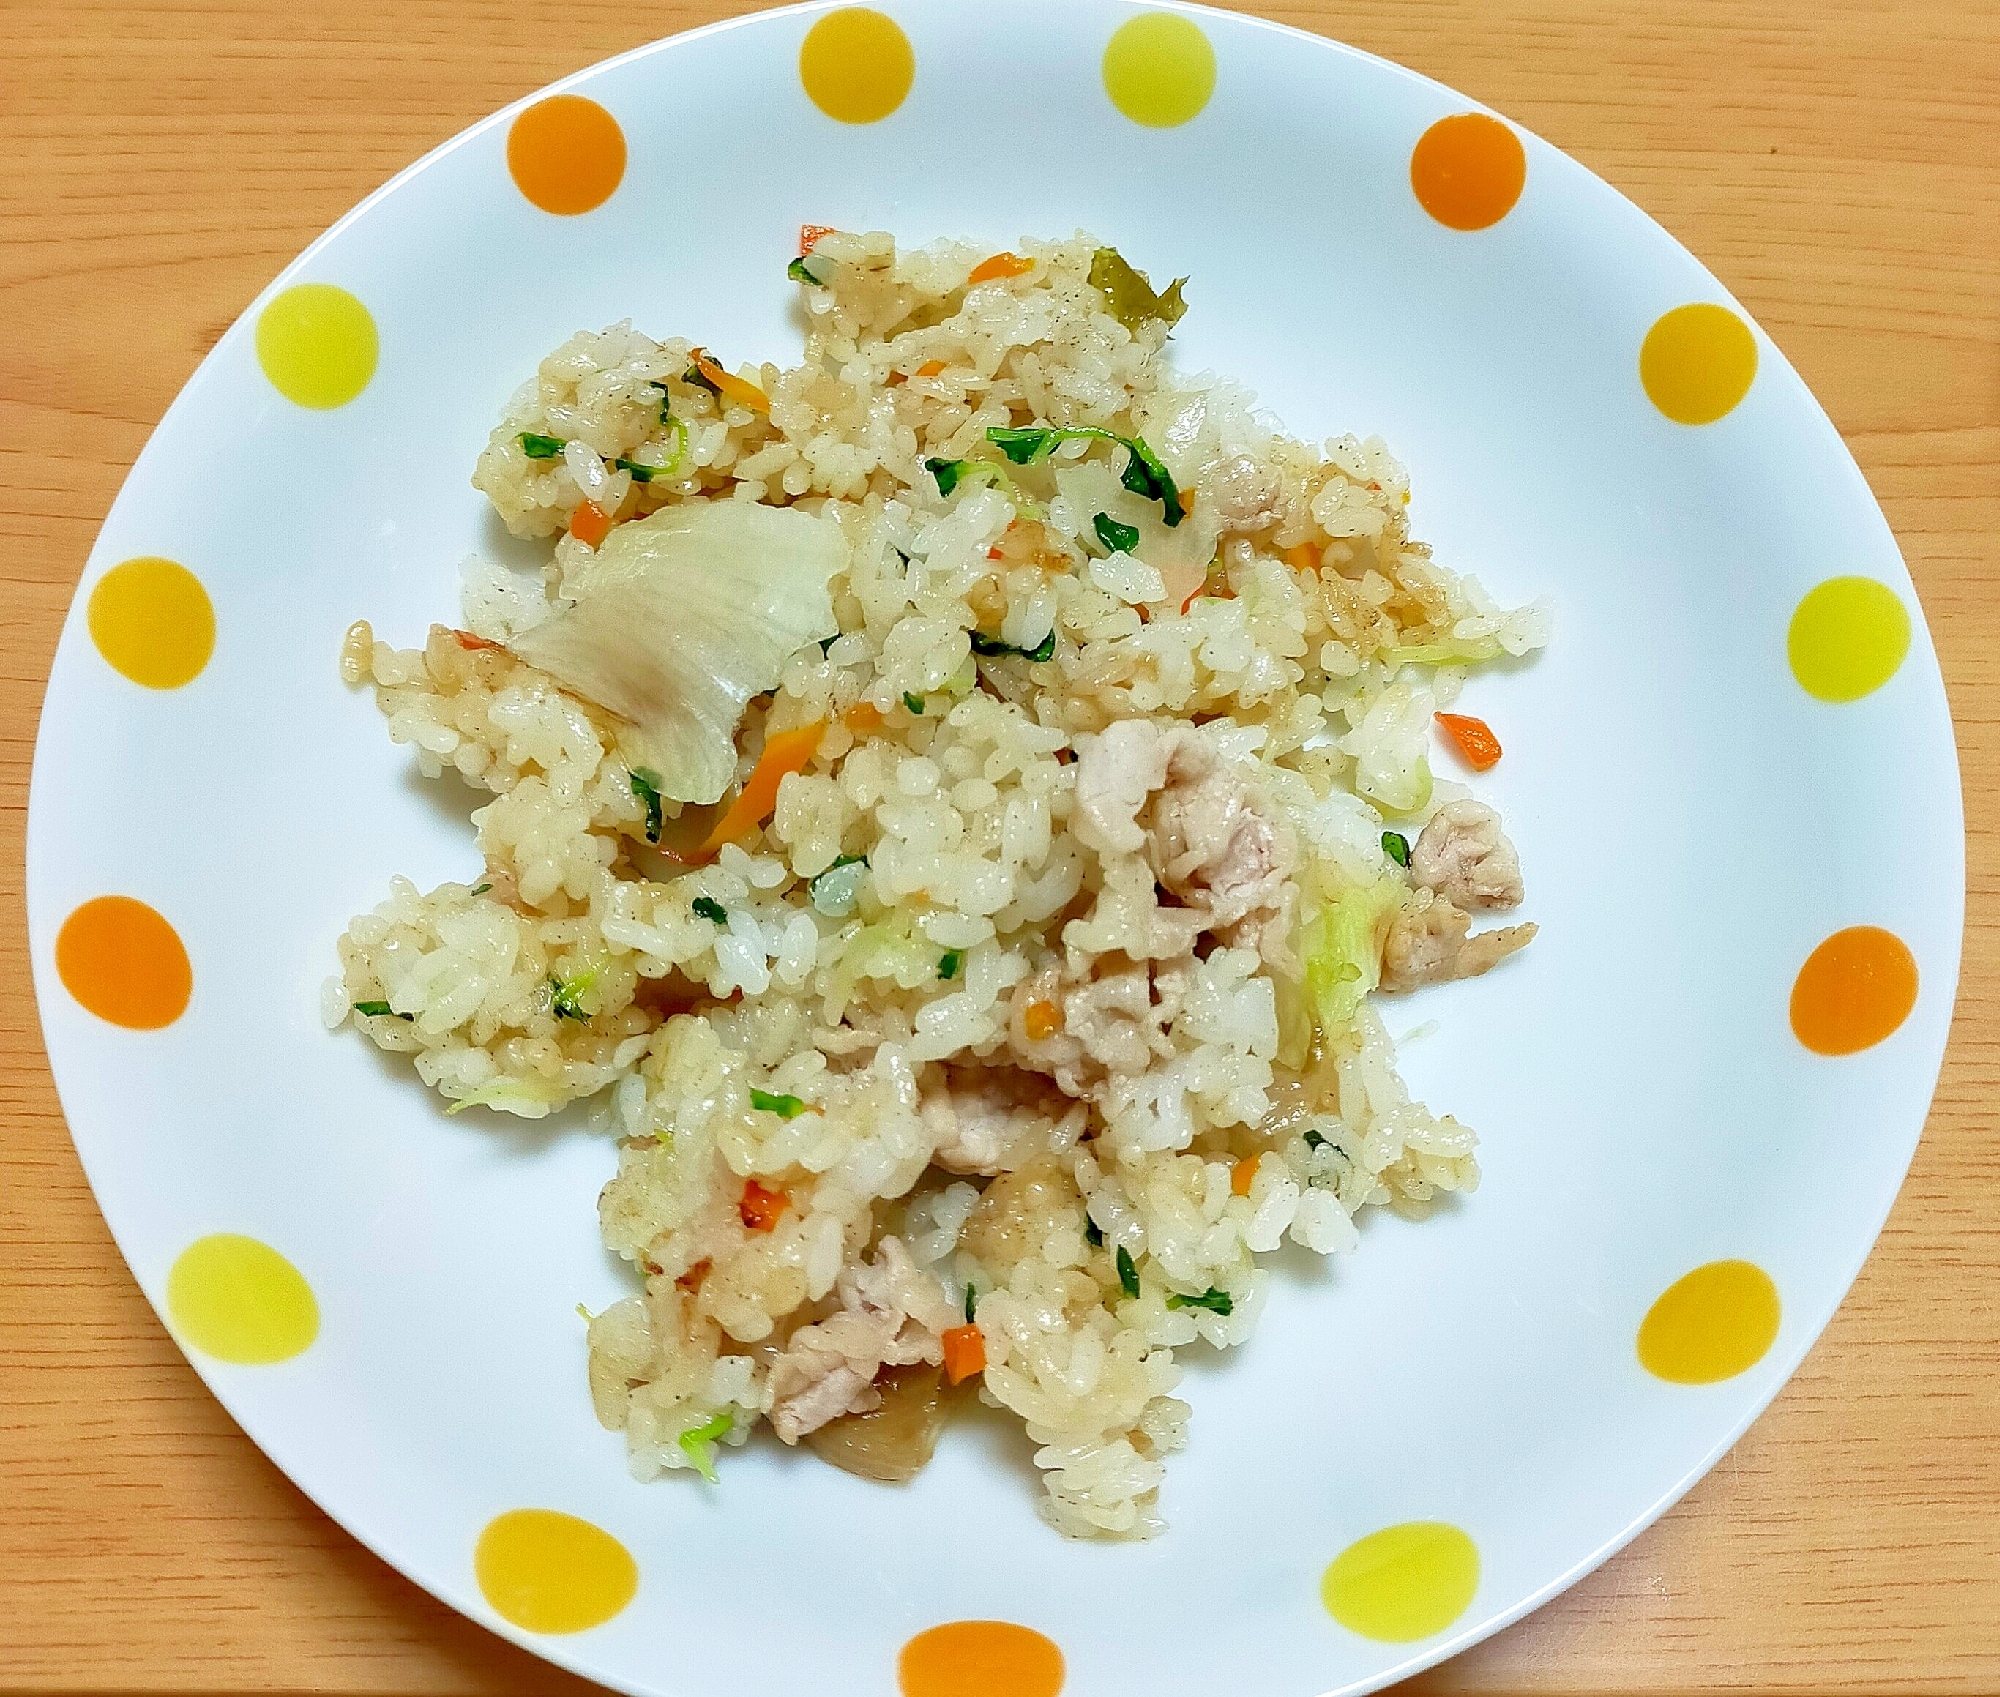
1710	1325
1159	69
152	620
124	963
550	1572
857	65
317	345
980	1658
1847	639
566	154
240	1300
1403	1583
1697	362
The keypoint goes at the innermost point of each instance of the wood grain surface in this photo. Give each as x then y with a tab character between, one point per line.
1838	165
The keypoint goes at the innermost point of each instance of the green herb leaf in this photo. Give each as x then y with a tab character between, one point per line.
666	403
1215	1301
693	375
1093	1233
641	472
1128	297
566	995
1316	1139
971	1303
646	786
992	645
947	473
1028	443
378	1010
1397	847
915	703
698	1443
1128	1275
800	272
1144	474
707	907
785	1107
949	964
1117	538
541	447
481	889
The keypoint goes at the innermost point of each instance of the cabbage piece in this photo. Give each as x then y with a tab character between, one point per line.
1342	946
681	618
1390	748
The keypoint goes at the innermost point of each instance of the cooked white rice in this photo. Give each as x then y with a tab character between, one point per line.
1136	1037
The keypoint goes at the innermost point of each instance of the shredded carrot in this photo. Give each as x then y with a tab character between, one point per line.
1193	596
476	644
1041	1019
744	394
1474	737
964	1353
930	368
862	717
760	1208
994	554
809	235
784	753
1244	1176
691	1279
589	524
1000	265
1303	558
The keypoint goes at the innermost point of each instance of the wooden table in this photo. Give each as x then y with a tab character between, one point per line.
1837	163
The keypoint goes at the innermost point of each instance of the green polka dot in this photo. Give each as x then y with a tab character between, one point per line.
1159	69
1403	1583
241	1301
1848	638
317	345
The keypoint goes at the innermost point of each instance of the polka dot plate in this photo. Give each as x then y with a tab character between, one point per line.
1731	778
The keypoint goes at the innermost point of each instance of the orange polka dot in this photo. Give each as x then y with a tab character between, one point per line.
980	1658
1710	1324
1468	170
1854	990
566	154
124	963
152	621
857	65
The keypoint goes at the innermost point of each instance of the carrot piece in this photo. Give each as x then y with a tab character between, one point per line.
744	394
1000	265
465	639
1474	737
964	1353
589	524
930	368
809	235
760	1208
1041	1019
784	753
863	717
1244	1176
1303	558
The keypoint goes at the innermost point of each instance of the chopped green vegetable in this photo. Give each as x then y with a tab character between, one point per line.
707	907
566	995
646	786
915	703
1117	538
1397	847
785	1107
1128	296
1144	474
1128	1275
992	645
949	964
379	1010
666	404
1317	1139
1093	1233
481	889
585	1314
835	891
698	1443
641	472
800	272
971	1303
541	447
1215	1301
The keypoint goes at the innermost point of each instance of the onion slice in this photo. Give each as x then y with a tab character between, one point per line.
681	618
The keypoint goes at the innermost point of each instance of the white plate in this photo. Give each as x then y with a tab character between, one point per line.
1693	821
